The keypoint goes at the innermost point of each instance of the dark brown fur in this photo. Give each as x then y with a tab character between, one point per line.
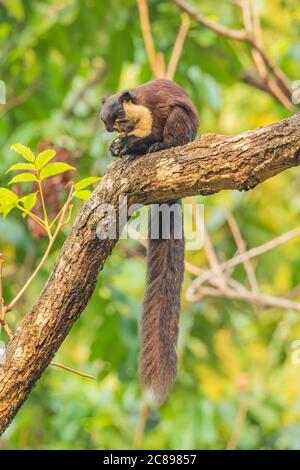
159	326
174	121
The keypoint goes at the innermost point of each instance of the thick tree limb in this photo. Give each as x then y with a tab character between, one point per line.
208	165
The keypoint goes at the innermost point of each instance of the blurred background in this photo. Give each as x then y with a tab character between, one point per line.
238	385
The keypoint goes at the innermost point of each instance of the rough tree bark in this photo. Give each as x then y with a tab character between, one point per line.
208	165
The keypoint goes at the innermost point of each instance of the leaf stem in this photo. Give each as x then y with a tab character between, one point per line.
33	216
52	239
44	205
7	329
59	213
69	369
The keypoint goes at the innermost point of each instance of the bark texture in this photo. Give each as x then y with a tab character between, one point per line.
207	165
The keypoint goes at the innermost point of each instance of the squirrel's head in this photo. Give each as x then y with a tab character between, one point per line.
113	113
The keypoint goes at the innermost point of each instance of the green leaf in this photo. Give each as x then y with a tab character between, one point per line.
6	195
86	182
55	169
29	201
44	157
5	209
23	178
8	200
24	151
84	195
21	166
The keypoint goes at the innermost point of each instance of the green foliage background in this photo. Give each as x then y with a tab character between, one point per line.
53	49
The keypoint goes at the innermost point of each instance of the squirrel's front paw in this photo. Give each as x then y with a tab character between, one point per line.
128	145
121	146
115	147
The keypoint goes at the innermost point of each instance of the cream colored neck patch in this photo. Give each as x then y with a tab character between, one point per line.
140	116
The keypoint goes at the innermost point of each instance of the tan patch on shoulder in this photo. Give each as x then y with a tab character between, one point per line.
140	116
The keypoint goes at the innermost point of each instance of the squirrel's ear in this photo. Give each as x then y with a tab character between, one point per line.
103	99
126	96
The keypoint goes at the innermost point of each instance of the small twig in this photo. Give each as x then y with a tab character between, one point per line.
252	253
148	38
140	431
279	94
191	268
237	34
257	33
252	25
33	216
257	26
280	87
260	300
7	329
241	246
44	208
178	46
213	260
56	218
209	249
238	424
46	254
161	64
278	74
253	80
247	16
3	323
69	369
67	220
281	90
237	285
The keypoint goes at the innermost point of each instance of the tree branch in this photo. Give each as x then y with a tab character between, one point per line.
277	84
236	34
208	165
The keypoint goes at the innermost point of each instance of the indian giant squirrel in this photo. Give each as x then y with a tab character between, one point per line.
154	116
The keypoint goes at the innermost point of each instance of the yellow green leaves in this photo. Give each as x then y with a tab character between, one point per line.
28	202
84	195
8	200
21	167
24	151
80	191
53	169
36	169
82	184
44	157
23	178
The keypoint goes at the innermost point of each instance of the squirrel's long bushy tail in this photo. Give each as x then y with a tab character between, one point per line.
159	326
